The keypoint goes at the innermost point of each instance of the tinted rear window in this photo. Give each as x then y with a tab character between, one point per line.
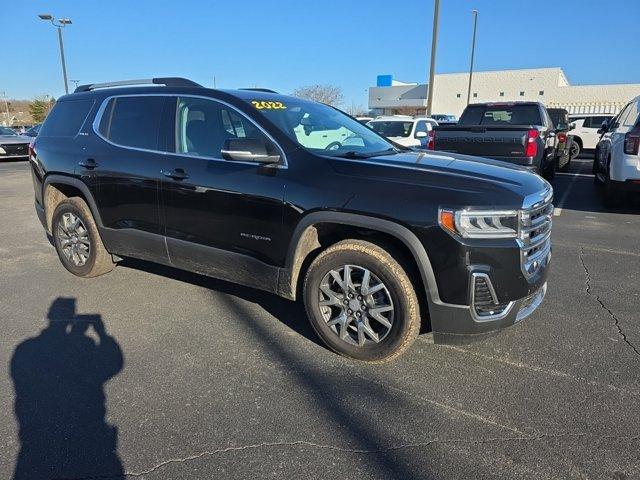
66	118
133	121
501	115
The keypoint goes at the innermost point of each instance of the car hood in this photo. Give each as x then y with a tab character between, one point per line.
455	176
14	139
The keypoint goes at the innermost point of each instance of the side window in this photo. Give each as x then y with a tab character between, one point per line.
66	118
421	126
133	121
202	127
622	116
632	116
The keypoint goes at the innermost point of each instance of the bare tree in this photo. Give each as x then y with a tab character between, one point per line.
329	94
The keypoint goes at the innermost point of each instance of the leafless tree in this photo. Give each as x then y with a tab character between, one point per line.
329	94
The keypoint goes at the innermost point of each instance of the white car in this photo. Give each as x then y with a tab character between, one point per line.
406	131
617	161
585	132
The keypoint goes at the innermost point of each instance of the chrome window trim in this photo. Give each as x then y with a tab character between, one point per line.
105	102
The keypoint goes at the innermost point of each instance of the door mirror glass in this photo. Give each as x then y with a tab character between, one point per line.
249	150
572	125
604	127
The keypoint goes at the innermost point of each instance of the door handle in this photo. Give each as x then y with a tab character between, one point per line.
176	174
89	163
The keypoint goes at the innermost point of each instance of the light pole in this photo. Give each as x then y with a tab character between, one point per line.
59	24
434	46
473	51
6	106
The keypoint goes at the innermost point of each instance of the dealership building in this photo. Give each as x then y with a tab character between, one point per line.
547	85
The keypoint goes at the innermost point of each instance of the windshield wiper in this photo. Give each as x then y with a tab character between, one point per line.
354	154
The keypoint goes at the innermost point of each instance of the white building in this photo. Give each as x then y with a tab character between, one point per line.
547	85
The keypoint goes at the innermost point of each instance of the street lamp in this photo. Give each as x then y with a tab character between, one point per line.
434	47
473	51
59	24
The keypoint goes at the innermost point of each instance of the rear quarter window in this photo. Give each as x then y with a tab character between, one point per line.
132	121
66	118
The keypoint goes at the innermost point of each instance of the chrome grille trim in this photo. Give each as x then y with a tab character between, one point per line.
534	236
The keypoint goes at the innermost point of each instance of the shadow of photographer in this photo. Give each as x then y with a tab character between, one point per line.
58	378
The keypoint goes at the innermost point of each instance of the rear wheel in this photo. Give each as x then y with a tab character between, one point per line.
77	240
574	150
612	196
361	302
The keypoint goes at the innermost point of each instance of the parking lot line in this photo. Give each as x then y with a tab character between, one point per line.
567	174
558	210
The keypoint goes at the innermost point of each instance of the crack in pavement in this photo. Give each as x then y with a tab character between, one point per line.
545	371
362	451
602	304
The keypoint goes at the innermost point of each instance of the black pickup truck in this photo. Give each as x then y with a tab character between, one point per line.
236	184
521	133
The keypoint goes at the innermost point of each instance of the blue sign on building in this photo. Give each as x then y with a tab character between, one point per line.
384	80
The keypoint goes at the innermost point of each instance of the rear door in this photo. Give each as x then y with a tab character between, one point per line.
222	218
126	159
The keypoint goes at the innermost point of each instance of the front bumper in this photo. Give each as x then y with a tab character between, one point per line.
457	324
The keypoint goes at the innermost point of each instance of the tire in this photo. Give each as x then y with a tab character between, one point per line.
337	324
612	196
575	150
79	247
566	166
549	171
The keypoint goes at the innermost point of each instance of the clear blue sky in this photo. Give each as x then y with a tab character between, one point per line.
285	44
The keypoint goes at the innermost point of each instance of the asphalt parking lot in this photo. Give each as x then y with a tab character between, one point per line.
204	379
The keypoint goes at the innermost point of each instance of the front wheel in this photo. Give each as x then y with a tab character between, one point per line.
77	240
360	301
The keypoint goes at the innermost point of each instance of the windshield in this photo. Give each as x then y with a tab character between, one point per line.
323	129
7	131
392	128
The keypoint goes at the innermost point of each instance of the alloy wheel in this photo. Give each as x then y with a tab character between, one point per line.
74	239
356	305
574	151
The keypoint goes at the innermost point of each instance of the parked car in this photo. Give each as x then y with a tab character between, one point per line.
445	119
33	131
560	120
373	237
12	145
585	131
520	133
405	130
617	162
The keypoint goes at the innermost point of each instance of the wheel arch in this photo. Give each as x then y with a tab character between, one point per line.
56	188
578	140
305	241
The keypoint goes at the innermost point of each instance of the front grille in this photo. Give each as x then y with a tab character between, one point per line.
535	236
16	149
484	301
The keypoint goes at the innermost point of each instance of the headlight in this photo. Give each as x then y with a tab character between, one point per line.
480	223
2	151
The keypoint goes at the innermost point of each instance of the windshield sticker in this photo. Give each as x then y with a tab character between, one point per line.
260	105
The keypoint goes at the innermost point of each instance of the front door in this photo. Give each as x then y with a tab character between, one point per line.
222	218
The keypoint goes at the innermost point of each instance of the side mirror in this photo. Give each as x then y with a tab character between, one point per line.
603	128
572	125
421	134
249	150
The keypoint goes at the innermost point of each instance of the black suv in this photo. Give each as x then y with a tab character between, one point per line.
298	199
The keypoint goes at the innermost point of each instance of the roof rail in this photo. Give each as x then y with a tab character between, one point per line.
265	90
166	81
